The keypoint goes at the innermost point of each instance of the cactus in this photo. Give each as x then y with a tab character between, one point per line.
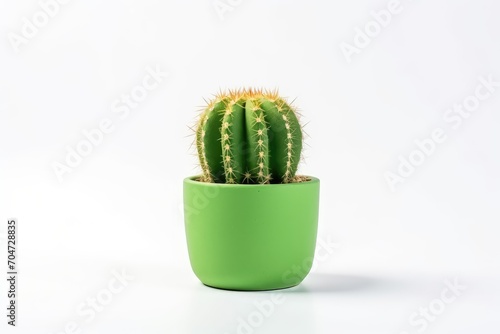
249	136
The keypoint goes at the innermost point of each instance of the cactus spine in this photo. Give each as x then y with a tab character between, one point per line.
249	136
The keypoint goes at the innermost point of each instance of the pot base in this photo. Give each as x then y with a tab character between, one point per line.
250	290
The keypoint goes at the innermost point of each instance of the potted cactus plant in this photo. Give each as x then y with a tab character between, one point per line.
250	220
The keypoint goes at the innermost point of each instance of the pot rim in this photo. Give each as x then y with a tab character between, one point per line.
192	180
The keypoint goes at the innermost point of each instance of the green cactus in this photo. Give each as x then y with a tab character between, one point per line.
249	136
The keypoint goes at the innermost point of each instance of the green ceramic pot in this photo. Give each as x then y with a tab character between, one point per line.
251	237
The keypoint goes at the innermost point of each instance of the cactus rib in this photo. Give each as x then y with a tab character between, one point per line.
249	136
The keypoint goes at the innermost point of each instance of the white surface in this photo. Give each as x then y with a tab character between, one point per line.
120	208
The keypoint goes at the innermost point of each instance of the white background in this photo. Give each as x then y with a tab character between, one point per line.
120	209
